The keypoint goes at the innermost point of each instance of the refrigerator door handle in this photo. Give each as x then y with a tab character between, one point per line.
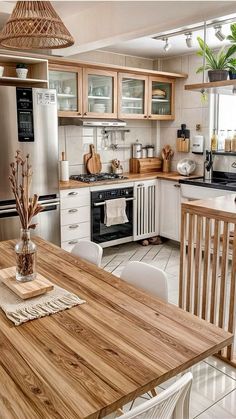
50	204
7	211
47	201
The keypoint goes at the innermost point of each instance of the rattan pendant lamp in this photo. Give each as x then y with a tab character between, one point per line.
35	25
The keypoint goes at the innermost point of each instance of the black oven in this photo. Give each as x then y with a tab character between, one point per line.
115	234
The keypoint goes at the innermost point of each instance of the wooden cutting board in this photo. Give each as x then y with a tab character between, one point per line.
94	164
25	290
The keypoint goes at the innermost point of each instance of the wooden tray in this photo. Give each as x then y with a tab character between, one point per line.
25	290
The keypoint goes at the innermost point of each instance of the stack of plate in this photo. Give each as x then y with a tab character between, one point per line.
99	107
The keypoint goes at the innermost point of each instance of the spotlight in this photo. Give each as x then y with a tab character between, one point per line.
218	32
167	45
189	39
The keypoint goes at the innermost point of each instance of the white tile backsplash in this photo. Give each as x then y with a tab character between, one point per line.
75	141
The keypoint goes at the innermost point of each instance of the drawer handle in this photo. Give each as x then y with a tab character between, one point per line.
73	242
177	185
72	193
72	210
140	184
73	226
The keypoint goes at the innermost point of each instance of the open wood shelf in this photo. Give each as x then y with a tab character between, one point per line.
224	87
37	71
224	153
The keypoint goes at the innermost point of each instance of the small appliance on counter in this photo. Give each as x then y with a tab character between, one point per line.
137	150
197	146
183	139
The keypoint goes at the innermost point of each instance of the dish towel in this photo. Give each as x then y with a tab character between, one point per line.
21	311
115	212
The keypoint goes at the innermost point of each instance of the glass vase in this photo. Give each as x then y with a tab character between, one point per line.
25	258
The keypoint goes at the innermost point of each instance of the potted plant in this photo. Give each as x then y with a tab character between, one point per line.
232	69
232	62
217	63
21	70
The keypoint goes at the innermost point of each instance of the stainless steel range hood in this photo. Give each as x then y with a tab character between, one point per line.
91	122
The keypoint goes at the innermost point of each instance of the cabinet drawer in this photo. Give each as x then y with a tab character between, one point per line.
72	198
75	215
68	246
75	231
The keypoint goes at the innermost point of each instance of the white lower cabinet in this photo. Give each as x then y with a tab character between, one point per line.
146	209
75	217
170	212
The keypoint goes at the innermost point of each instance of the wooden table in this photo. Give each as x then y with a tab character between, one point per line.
88	361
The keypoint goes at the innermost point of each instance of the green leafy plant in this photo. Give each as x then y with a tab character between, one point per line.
21	65
232	65
215	60
232	37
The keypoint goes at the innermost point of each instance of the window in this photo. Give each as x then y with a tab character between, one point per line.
225	112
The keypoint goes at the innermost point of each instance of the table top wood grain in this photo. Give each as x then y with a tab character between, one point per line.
92	359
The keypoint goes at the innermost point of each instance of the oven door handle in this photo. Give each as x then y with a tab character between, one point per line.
98	204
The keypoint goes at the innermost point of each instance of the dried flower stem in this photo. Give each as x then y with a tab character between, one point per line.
20	179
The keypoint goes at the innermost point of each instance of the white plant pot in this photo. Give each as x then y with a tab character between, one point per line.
22	73
1	70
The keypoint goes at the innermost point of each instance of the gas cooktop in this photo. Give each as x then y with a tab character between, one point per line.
90	178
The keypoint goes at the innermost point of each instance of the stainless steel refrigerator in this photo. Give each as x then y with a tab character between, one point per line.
28	122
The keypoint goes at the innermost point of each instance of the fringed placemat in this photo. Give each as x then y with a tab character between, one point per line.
19	311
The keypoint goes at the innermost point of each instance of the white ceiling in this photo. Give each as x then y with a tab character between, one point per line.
153	48
127	27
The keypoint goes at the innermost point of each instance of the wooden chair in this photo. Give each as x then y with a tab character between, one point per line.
89	251
147	277
172	403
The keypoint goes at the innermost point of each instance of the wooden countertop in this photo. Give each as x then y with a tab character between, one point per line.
132	177
221	206
92	359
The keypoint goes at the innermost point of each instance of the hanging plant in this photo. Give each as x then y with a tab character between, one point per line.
217	63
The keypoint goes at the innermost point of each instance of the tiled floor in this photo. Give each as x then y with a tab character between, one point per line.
214	386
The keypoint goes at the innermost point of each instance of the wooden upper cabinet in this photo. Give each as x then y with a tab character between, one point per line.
161	98
99	93
68	83
132	96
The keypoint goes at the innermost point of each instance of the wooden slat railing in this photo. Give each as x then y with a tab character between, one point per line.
207	286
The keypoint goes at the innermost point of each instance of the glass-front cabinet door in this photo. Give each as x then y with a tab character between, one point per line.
68	84
132	96
99	93
161	98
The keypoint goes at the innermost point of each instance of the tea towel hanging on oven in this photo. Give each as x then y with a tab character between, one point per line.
115	212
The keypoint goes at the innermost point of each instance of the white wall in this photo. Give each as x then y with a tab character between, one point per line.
190	109
75	141
105	57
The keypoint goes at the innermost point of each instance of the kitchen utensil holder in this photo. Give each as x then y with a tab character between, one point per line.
166	166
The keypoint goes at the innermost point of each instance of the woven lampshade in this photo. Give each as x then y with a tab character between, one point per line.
35	25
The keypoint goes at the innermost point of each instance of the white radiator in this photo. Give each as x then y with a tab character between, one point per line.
145	217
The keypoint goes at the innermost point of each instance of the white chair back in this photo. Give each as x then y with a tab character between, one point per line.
89	251
171	403
147	277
